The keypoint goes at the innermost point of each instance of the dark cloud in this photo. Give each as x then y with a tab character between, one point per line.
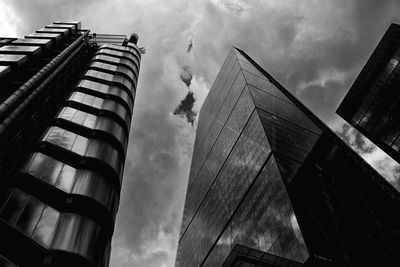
190	46
355	139
185	108
186	75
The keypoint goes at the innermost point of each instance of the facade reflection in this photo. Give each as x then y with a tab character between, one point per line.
265	188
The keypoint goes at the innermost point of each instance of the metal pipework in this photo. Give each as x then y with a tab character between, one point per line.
9	109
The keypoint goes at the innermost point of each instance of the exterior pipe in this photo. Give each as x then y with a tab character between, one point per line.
8	111
9	104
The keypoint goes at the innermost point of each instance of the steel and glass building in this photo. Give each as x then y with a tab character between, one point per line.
271	185
66	101
372	104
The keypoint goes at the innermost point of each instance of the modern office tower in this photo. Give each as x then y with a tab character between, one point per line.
271	185
66	103
372	104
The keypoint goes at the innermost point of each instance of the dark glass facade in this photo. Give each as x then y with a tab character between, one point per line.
265	188
66	113
372	104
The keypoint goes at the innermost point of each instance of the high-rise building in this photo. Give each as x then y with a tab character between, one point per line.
271	185
66	101
372	104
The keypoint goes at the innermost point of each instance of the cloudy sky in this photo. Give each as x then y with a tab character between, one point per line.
315	48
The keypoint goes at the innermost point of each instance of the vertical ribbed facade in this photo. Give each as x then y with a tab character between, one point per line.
62	201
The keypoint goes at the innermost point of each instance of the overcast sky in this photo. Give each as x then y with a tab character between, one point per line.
315	48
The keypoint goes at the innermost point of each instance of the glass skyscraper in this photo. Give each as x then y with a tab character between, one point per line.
66	104
372	104
271	185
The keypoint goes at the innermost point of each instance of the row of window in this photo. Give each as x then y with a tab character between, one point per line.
110	68
127	52
104	125
131	48
375	115
122	58
63	32
85	147
117	61
106	91
73	180
109	78
20	51
51	228
102	105
120	54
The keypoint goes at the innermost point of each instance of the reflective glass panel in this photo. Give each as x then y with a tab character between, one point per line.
108	90
79	234
31	216
113	78
102	104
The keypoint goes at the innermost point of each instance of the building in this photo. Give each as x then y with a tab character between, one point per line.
372	104
271	185
66	101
